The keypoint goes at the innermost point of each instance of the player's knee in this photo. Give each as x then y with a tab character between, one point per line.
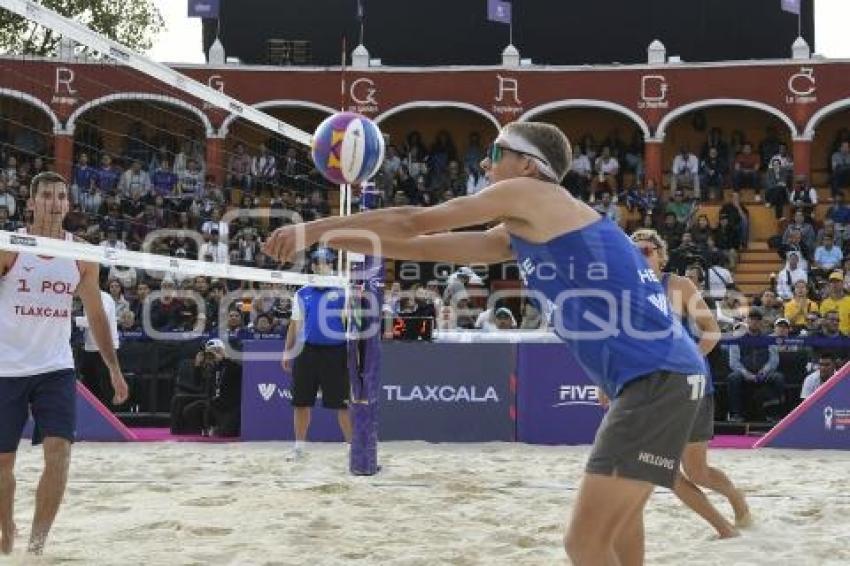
581	545
57	456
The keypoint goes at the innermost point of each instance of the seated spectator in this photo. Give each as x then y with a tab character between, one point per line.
772	309
496	318
684	255
106	178
720	281
713	171
793	353
7	200
776	192
838	301
455	181
804	226
685	172
829	229
728	239
644	199
127	322
839	212
803	196
746	173
739	216
579	176
532	318
214	249
166	311
827	258
729	311
756	364
798	307
827	367
701	230
840	168
793	242
458	285
607	170
126	276
829	325
190	185
164	180
116	291
10	173
112	241
239	169
813	324
476	181
134	180
606	207
5	222
264	168
682	209
82	177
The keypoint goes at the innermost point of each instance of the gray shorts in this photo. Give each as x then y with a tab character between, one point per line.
644	433
703	429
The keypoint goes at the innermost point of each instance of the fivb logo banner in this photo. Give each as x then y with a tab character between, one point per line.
556	401
821	421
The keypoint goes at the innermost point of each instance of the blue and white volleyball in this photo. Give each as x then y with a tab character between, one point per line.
348	148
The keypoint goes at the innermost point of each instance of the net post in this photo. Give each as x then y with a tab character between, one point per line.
364	359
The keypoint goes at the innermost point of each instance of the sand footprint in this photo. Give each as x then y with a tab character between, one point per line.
214	501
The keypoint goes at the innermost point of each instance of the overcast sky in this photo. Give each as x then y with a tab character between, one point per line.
181	42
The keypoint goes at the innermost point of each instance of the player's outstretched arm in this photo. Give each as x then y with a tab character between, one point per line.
494	204
89	292
490	246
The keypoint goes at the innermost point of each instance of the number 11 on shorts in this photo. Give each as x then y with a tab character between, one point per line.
697	383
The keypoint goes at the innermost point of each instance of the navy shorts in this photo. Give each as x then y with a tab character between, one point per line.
52	399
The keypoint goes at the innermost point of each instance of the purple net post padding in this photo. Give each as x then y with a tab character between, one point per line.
364	362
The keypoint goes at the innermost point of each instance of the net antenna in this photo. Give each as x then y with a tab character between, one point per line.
123	55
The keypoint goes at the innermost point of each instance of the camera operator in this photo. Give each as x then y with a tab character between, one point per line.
216	408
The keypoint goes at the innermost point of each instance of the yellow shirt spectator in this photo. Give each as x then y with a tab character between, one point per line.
796	311
842	307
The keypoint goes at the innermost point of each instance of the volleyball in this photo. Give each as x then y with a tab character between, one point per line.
348	148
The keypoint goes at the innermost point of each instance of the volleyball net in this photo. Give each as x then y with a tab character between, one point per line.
173	184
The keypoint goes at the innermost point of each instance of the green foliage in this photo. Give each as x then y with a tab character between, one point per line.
133	23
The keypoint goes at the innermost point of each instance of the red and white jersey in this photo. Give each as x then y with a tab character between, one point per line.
36	298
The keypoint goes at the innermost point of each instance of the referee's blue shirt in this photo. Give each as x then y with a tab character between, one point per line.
319	310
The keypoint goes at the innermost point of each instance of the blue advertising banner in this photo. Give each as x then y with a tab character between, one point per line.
266	396
446	392
556	401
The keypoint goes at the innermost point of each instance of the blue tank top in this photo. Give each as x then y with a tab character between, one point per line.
694	335
608	305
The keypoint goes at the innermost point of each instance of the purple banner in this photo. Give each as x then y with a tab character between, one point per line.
792	6
266	400
441	392
499	11
556	401
822	421
204	8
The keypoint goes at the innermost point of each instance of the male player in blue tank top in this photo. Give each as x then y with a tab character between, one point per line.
609	308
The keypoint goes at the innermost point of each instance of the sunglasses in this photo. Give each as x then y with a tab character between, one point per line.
496	152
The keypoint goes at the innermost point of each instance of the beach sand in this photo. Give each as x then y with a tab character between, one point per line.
500	503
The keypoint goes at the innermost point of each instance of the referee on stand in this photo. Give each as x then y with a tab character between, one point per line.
321	364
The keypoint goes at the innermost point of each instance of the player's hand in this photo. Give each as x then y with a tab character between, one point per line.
119	386
604	401
286	364
285	242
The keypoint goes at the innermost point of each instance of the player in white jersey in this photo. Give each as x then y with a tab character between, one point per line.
36	362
